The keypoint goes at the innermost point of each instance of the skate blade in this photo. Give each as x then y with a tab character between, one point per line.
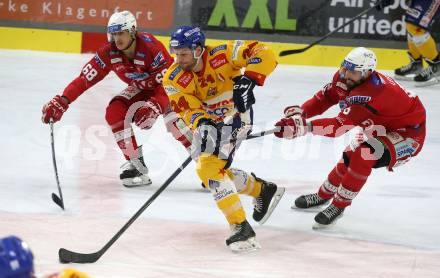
136	182
273	204
431	82
404	78
318	226
310	209
247	246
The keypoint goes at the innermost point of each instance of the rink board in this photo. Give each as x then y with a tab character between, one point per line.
83	42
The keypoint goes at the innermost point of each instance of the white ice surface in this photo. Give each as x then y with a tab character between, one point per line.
391	230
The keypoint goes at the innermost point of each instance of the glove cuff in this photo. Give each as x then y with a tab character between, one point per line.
293	110
255	77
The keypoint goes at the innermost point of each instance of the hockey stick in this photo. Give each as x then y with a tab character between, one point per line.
57	199
300	50
66	256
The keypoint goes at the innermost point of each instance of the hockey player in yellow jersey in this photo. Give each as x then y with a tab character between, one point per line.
211	103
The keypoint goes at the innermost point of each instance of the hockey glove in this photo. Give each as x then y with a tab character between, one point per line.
55	109
381	4
243	94
292	127
206	138
146	116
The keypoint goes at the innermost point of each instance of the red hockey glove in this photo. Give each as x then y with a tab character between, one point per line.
54	109
291	127
146	116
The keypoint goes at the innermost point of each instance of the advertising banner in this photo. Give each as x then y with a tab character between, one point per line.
303	18
152	14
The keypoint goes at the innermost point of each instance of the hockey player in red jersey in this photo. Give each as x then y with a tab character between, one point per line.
139	60
391	119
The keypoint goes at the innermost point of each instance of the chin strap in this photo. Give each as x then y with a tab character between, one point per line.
198	57
132	40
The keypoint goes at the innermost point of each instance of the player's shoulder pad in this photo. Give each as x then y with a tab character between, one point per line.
218	49
217	56
145	37
376	79
172	73
102	55
177	80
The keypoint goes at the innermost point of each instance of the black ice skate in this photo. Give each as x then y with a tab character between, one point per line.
242	238
430	75
269	198
328	217
408	72
135	173
309	201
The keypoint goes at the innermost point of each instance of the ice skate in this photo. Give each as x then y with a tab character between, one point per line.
429	76
328	217
242	238
135	173
309	201
268	200
409	71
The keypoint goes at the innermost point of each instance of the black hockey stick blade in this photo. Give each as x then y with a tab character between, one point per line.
67	256
293	51
57	200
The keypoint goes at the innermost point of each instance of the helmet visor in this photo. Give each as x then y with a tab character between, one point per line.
348	65
114	28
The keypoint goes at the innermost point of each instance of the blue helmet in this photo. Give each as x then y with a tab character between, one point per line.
187	36
16	259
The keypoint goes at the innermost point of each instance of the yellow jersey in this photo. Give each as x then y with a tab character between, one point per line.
208	93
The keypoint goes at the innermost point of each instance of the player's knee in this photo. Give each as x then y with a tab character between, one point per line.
210	167
115	112
363	152
364	157
416	34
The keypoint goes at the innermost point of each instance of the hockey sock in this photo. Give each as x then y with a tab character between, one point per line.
124	135
422	40
330	186
210	170
357	173
244	182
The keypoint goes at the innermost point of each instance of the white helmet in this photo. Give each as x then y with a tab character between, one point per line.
360	59
121	21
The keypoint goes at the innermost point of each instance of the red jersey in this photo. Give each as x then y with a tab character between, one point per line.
378	101
145	71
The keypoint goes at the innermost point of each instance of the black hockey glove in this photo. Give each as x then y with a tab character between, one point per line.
243	94
381	4
206	138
